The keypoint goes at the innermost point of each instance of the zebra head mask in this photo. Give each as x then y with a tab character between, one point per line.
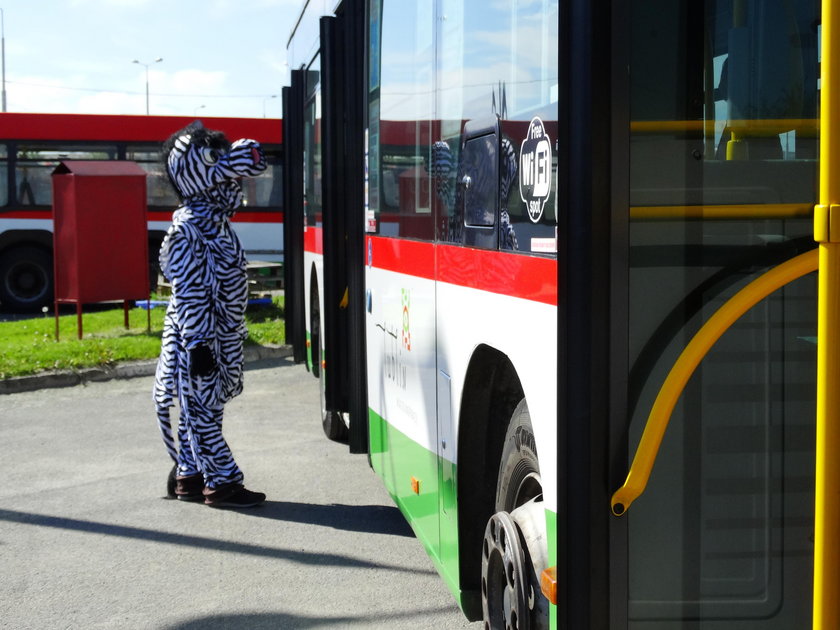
205	168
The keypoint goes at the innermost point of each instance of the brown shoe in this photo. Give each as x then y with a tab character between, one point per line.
190	487
233	495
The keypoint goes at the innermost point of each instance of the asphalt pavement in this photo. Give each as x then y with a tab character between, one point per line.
88	540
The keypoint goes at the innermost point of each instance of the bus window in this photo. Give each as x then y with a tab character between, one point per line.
36	162
722	186
4	175
266	189
159	190
498	60
312	154
406	106
261	191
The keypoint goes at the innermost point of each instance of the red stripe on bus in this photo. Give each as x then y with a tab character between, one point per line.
414	258
313	240
528	277
122	128
26	214
253	216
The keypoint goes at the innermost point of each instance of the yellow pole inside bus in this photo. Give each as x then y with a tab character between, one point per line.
827	234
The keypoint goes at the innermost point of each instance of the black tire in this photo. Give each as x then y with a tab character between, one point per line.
315	330
510	580
519	470
26	279
154	265
331	421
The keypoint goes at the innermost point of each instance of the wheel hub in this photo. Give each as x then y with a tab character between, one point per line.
504	576
26	281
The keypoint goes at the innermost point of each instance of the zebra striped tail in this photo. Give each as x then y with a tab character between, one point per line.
165	426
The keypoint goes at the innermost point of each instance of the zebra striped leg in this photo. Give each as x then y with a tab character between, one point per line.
211	451
187	464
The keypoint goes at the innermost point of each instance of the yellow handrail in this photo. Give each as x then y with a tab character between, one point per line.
689	359
724	211
826	612
752	127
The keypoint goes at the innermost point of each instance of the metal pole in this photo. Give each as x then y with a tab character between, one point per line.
146	65
265	99
3	54
826	613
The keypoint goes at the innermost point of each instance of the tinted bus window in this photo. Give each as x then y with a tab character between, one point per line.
36	162
722	185
493	62
4	175
405	104
499	60
313	201
262	191
266	189
159	190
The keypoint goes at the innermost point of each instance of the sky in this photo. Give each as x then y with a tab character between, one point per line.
220	57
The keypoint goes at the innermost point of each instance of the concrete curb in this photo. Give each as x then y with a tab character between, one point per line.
70	378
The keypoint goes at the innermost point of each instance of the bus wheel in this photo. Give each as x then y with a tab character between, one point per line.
26	278
515	547
332	422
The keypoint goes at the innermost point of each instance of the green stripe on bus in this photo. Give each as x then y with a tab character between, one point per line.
404	465
398	460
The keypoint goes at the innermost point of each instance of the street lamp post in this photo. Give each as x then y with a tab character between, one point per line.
146	65
3	54
265	99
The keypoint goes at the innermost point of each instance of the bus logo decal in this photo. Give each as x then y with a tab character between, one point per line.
406	329
535	169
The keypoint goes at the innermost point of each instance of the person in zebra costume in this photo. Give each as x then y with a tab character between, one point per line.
442	169
201	359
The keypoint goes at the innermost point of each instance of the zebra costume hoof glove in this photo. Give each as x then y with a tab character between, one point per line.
202	362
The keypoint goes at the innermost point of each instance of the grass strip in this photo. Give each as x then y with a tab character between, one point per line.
28	346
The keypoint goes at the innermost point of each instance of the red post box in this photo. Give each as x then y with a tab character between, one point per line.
100	240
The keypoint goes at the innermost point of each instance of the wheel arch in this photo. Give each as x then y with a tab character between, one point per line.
492	389
155	241
14	246
18	238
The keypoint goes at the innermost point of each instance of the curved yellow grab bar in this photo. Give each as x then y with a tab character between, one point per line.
689	359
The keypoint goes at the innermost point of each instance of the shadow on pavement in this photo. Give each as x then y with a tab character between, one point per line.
372	519
255	621
204	542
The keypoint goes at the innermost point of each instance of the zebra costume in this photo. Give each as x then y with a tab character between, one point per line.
442	166
201	351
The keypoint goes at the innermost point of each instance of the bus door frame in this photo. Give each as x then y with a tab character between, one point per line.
343	98
592	264
293	275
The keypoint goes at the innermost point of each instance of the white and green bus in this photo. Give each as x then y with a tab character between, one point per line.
549	259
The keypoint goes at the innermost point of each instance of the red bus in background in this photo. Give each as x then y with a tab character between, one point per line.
32	145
